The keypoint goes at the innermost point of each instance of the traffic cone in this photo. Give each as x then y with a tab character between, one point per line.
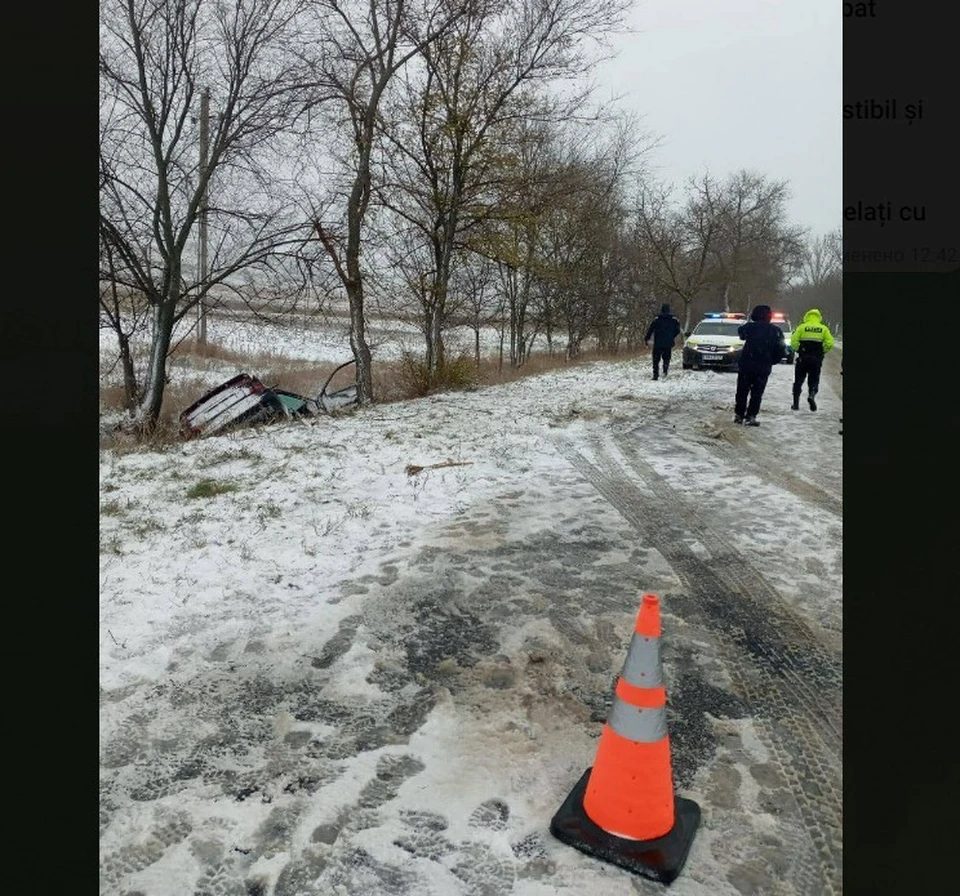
623	810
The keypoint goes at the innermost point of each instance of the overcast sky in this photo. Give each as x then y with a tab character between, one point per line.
732	84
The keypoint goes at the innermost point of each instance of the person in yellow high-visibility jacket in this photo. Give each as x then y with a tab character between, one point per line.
811	341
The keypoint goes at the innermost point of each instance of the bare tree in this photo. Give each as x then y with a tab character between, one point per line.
822	258
365	43
511	237
155	56
677	243
473	278
753	249
819	282
588	270
454	145
126	314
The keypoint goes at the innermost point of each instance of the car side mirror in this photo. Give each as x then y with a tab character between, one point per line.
686	335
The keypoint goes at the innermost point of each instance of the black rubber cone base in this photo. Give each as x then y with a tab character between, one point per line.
660	859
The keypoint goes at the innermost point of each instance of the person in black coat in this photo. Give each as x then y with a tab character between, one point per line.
763	346
664	329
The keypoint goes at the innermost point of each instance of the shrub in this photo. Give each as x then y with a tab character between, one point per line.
451	375
209	488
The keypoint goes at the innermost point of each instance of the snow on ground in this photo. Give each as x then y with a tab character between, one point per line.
317	339
310	339
321	674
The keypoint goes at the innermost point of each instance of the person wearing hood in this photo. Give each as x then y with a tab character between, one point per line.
664	329
763	347
811	341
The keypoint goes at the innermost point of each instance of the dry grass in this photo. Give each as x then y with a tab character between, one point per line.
392	381
112	397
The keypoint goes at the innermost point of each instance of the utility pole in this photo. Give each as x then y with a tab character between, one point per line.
204	164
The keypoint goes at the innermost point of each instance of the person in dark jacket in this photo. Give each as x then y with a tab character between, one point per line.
763	347
664	329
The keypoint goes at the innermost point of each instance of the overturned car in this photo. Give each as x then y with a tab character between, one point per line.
244	400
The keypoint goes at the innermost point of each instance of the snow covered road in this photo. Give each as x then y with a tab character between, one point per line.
332	677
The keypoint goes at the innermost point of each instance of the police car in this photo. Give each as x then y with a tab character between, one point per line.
783	322
714	343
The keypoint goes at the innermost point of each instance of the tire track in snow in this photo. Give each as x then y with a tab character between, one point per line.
777	662
735	451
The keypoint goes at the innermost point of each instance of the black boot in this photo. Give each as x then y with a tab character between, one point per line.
751	421
738	418
811	402
796	402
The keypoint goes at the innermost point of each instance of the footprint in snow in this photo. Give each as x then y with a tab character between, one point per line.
491	814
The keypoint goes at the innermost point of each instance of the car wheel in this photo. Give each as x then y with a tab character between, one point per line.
687	366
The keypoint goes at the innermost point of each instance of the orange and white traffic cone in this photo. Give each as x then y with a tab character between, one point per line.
623	809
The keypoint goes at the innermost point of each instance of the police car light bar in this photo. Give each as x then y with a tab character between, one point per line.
736	315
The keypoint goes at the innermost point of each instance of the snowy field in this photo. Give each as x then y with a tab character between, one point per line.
303	338
322	673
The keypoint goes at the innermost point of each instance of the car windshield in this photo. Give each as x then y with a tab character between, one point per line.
784	325
718	327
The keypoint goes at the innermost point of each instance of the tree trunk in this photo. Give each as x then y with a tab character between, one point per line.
148	411
502	334
130	386
429	353
358	344
443	241
438	347
513	328
354	284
